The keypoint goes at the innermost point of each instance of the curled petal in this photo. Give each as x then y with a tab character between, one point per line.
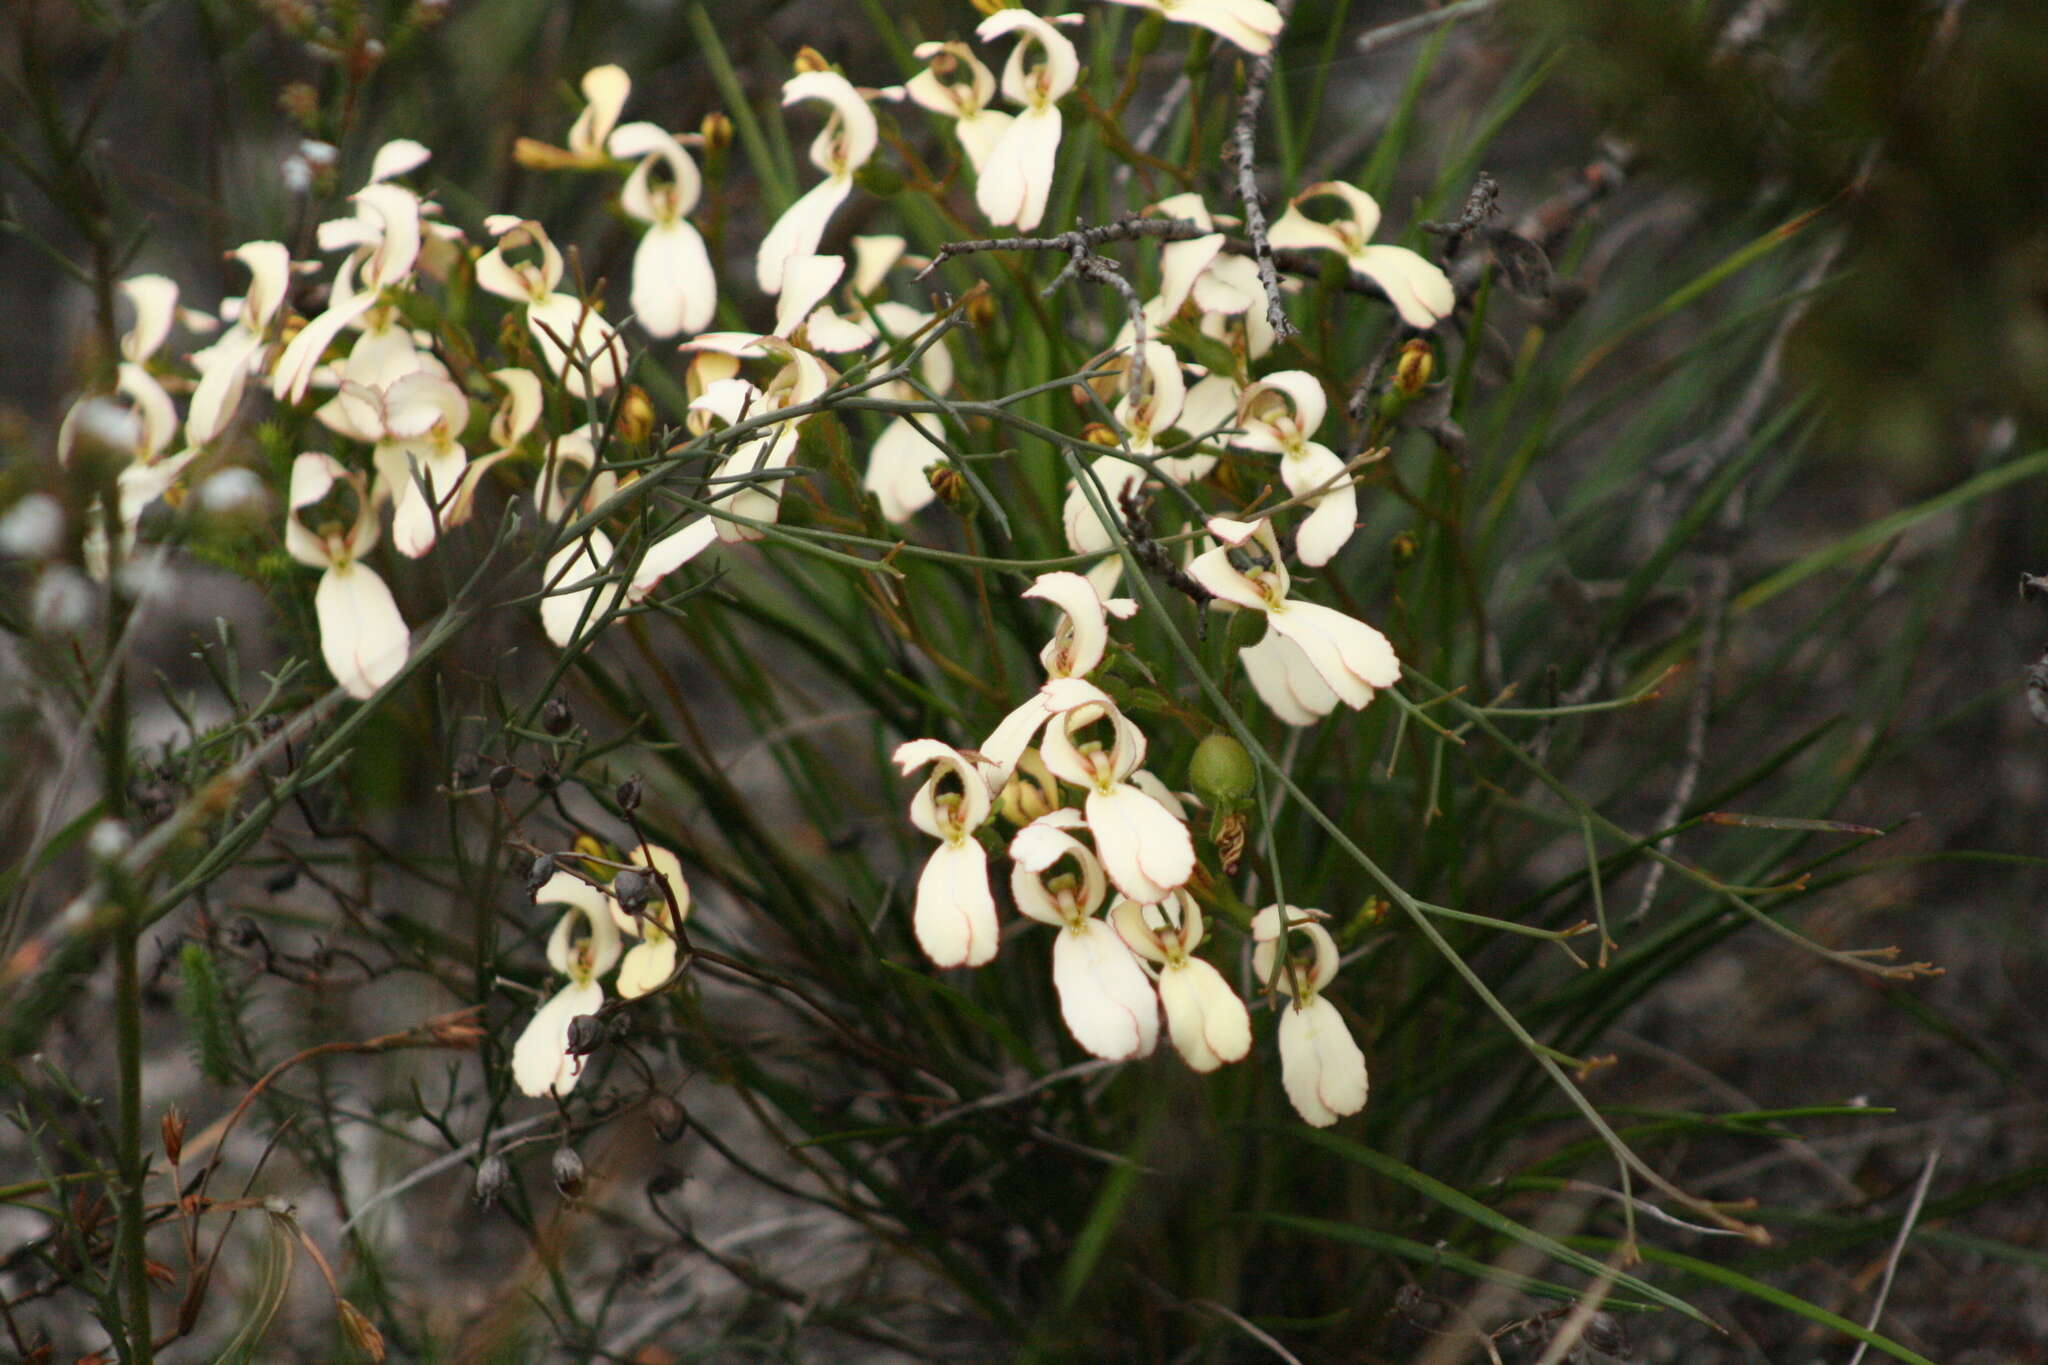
896	469
270	266
1335	514
1286	681
1059	68
956	914
294	372
806	280
1109	1004
418	520
1320	1063
362	636
670	553
874	257
1418	289
572	605
850	139
606	87
1083	637
541	1063
1208	1023
1351	657
396	157
650	142
1297	230
221	385
798	231
155	299
647	966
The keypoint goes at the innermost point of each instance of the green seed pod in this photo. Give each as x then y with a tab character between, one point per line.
1222	773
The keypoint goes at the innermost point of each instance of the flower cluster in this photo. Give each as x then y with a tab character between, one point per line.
1117	965
649	901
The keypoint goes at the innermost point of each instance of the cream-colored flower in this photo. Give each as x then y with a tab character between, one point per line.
583	947
1209	1025
1281	414
1419	291
605	88
362	637
674	289
577	343
225	366
1320	1063
955	919
1076	649
649	964
1251	24
1107	1001
844	145
956	84
801	378
1142	844
907	446
1016	176
1328	650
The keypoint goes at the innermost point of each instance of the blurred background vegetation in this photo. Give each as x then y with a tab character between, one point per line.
1762	443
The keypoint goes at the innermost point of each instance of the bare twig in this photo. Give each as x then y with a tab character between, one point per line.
1386	35
1891	1260
1244	139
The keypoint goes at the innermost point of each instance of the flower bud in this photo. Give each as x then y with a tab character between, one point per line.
492	1175
628	794
716	129
1101	434
947	483
809	59
1222	773
635	422
1415	367
567	1168
502	775
173	1126
1032	790
668	1117
981	310
537	876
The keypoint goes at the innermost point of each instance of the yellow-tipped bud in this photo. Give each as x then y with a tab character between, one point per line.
636	416
1416	365
809	59
1032	790
716	130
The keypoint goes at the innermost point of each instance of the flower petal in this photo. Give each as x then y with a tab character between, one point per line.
1209	1024
1351	657
540	1059
1420	292
674	290
1286	681
362	636
1109	1004
797	232
1017	179
896	469
956	914
1145	851
1321	1065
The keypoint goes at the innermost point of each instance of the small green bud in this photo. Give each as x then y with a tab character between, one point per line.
879	181
1222	773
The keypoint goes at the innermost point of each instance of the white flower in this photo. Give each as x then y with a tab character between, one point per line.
1143	846
841	148
955	918
1320	1064
1347	657
541	1062
518	413
1151	404
1280	414
648	964
907	446
801	379
571	335
1108	1002
1419	291
1251	24
956	84
224	367
674	289
414	424
137	421
1075	650
362	636
606	89
1017	176
155	300
1209	1025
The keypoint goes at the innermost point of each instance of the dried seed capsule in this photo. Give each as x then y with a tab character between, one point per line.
502	775
586	1035
567	1169
632	889
628	794
668	1117
492	1175
542	871
555	717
